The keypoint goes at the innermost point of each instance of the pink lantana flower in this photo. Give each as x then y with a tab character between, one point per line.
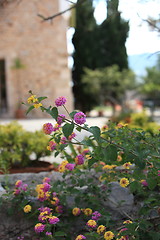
48	128
80	118
70	166
79	159
60	101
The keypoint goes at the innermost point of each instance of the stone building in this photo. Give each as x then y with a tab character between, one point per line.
33	55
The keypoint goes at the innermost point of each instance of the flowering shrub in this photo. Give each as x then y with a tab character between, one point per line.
75	208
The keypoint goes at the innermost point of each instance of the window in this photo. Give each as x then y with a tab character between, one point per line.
3	92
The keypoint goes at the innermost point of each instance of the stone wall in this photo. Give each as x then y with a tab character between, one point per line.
119	202
41	48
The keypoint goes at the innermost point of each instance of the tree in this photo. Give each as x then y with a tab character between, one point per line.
96	47
150	86
84	44
113	33
109	84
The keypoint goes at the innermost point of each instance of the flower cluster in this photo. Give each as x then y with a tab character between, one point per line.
43	191
80	118
48	128
60	101
35	101
27	208
20	187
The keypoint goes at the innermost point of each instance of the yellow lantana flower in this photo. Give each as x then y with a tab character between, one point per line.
124	182
27	208
101	229
108	235
127	165
87	211
37	105
127	222
32	99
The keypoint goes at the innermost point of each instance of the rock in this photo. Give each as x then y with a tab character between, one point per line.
2	190
119	201
32	179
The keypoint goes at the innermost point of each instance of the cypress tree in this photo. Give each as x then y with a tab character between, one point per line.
83	41
113	33
96	47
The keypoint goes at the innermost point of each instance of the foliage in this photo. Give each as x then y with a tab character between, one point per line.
96	46
115	153
151	84
17	146
137	120
112	33
109	84
84	54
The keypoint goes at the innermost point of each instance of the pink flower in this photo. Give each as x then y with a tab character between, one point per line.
96	215
45	209
79	159
39	227
80	118
144	183
52	145
53	220
48	233
46	179
48	128
18	183
24	187
17	191
60	119
46	187
60	101
56	127
59	209
63	140
159	173
80	237
71	136
70	166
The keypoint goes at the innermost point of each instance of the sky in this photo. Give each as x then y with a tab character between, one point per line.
140	39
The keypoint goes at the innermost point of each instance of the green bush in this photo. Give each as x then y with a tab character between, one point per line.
19	147
138	120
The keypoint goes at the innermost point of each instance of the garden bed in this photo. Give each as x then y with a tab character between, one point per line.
35	167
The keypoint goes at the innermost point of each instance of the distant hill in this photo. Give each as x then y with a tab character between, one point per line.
138	63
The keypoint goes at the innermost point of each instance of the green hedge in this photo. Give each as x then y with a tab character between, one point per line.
19	147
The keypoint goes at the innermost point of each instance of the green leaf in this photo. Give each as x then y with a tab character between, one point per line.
72	114
56	154
54	113
59	233
154	235
29	109
110	153
139	162
135	186
96	132
68	129
88	142
41	98
152	183
91	162
79	129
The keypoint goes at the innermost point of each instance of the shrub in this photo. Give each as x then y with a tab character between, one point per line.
17	146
